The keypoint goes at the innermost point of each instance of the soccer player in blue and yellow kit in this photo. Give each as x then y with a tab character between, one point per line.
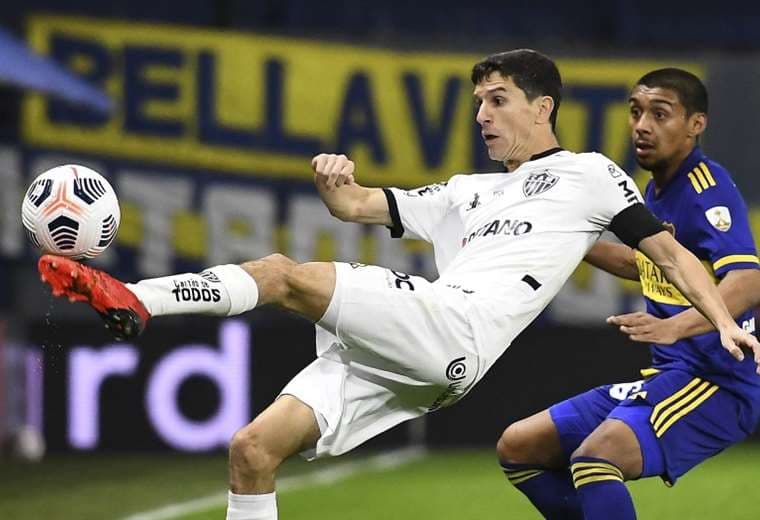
571	460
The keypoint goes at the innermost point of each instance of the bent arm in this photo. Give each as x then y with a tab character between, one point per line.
740	290
344	198
684	271
617	259
355	203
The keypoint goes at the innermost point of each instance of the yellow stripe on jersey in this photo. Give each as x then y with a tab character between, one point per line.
708	175
695	183
735	259
701	177
670	410
657	288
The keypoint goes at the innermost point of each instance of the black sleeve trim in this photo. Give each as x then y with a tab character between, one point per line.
634	224
397	229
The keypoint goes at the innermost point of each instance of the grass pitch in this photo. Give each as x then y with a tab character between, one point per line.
452	485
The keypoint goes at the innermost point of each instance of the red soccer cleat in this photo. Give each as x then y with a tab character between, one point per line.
123	313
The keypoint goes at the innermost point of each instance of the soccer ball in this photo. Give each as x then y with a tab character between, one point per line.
71	211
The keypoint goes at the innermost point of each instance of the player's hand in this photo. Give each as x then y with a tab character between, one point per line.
332	171
645	328
734	339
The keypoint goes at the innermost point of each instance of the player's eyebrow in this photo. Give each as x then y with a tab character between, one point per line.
491	90
654	101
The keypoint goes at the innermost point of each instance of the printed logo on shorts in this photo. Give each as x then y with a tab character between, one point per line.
455	372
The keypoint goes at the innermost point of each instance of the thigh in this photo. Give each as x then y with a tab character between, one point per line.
353	405
681	420
286	427
614	441
404	324
577	417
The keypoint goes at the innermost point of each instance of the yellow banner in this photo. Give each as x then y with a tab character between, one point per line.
263	106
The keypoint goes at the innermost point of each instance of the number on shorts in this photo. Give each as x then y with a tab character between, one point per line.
621	391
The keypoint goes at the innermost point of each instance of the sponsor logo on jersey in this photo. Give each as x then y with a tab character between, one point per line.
474	203
538	183
459	288
507	226
719	217
426	190
656	286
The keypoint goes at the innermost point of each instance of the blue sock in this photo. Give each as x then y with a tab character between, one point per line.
601	489
551	492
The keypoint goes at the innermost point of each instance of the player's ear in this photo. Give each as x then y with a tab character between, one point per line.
697	124
545	107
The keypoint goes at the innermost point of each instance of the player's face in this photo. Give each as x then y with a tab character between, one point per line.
506	117
662	133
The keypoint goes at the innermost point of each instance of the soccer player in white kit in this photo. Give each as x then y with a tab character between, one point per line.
391	346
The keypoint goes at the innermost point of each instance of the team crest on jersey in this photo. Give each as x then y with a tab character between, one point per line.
719	217
537	183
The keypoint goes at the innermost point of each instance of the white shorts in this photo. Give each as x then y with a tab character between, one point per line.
391	347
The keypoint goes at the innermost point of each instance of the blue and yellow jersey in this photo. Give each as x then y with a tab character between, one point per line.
709	217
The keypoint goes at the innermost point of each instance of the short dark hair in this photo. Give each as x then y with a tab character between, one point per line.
532	72
690	90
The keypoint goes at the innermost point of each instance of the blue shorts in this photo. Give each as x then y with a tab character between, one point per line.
679	420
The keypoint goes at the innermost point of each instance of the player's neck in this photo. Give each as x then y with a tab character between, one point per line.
662	175
541	145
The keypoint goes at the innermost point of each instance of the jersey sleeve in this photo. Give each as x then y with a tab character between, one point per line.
618	205
416	213
721	230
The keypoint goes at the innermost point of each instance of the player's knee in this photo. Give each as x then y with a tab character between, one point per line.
514	445
250	454
272	275
601	444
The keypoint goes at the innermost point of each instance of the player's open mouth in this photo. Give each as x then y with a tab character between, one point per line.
644	147
489	137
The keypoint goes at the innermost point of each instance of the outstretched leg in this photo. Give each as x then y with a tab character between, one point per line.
224	290
286	427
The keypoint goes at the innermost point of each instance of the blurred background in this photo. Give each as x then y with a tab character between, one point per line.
204	116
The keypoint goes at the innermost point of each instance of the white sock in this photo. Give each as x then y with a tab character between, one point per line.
223	290
251	507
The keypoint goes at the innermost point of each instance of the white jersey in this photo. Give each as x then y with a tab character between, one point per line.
511	240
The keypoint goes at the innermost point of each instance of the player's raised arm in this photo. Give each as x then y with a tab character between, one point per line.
347	200
617	259
684	271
